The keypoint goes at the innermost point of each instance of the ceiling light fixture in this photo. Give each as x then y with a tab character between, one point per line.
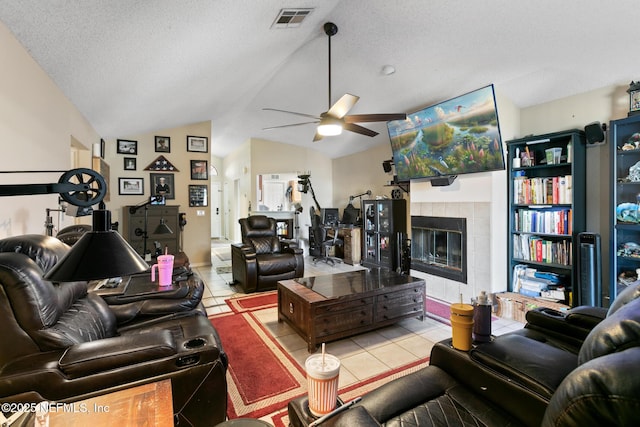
329	126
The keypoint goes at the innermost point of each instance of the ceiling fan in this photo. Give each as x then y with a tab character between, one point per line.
335	119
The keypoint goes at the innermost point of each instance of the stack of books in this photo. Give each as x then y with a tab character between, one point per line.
538	284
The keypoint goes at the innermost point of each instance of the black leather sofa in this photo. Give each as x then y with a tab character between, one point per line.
519	379
261	260
60	343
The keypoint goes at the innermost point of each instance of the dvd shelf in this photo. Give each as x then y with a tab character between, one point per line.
547	204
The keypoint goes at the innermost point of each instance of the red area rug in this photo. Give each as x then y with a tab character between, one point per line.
253	302
262	378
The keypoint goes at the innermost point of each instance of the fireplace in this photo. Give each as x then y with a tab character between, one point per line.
439	246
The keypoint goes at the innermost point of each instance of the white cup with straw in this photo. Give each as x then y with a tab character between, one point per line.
322	382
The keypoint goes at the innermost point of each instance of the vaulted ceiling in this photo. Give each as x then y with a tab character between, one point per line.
137	66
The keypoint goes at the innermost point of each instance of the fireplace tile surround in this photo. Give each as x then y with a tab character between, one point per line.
478	218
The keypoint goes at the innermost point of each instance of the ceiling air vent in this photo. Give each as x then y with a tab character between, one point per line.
290	18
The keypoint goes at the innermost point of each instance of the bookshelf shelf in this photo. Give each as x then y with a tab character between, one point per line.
547	205
625	192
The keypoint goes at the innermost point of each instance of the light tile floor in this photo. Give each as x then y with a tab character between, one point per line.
362	356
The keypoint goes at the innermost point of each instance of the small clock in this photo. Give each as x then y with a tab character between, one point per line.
396	193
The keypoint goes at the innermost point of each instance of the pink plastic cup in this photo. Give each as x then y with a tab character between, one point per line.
165	270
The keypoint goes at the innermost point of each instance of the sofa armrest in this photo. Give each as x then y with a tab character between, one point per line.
575	323
586	316
110	353
292	250
244	250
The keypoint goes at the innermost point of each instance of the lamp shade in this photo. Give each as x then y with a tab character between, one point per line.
163	228
100	254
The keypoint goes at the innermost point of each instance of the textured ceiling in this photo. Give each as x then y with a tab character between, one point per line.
134	66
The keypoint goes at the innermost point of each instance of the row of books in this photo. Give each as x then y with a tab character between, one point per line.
534	248
548	221
549	190
533	283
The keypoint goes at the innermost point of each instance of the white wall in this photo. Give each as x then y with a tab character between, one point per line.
37	127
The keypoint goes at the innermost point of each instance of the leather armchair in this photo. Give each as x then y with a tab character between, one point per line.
513	380
61	343
261	260
71	234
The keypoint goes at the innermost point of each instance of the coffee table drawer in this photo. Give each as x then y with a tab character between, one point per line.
343	305
393	305
343	321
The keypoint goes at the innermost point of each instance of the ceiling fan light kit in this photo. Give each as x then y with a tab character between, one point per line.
329	127
335	119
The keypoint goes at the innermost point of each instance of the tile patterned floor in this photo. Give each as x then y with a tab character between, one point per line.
362	356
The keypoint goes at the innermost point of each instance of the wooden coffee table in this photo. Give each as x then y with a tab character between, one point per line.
331	307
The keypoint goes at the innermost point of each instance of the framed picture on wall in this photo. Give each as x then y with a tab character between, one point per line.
130	186
162	184
197	195
199	144
127	146
163	144
199	169
129	163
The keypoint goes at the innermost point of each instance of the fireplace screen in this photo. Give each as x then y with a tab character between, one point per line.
438	246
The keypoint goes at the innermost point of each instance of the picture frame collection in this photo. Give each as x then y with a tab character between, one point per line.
163	184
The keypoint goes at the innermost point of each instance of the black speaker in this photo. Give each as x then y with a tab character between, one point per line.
594	132
386	165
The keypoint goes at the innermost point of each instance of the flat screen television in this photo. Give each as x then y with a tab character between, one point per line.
454	137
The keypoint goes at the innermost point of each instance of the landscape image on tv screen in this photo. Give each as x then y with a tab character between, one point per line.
454	137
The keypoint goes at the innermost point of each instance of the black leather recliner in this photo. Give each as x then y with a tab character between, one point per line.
514	380
60	343
261	260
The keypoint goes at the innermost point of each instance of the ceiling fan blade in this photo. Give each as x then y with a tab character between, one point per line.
362	118
317	137
291	125
359	129
292	112
342	106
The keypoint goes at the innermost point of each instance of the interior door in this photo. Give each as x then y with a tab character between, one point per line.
216	210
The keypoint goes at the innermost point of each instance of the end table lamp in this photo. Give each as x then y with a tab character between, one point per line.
102	252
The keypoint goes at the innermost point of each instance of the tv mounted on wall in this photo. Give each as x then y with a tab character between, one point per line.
454	137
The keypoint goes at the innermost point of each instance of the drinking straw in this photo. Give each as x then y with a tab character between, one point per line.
323	356
166	250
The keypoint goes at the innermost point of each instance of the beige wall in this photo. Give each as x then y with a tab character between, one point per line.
38	125
197	232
